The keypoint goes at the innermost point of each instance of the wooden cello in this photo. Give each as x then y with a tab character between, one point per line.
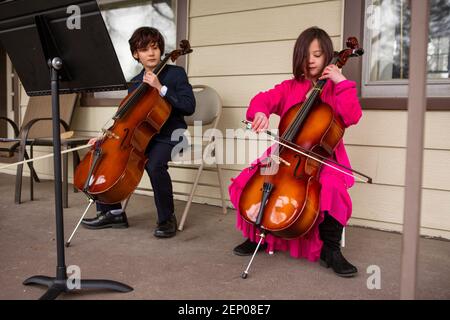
286	203
111	171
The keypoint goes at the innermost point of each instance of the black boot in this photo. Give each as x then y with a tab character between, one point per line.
331	232
166	229
106	220
247	248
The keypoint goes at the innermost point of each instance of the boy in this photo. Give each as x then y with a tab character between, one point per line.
147	46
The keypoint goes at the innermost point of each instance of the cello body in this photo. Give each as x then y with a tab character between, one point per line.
123	159
112	170
293	206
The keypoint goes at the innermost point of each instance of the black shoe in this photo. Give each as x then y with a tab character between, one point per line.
166	229
106	220
97	214
335	260
330	231
247	248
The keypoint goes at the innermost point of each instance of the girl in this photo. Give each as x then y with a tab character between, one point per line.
313	52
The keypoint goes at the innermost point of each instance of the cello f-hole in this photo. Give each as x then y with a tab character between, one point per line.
127	131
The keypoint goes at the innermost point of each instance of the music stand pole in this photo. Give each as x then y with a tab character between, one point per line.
58	284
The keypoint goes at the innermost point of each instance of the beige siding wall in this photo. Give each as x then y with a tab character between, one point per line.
243	47
377	146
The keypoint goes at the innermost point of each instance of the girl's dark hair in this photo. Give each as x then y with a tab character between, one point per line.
143	36
301	49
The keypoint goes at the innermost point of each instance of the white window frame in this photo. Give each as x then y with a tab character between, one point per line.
392	88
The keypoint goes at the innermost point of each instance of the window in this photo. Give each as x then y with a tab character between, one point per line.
387	40
121	18
438	57
124	16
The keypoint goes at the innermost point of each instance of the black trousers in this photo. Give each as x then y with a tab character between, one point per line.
158	154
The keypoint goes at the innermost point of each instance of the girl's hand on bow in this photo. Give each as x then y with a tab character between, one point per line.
260	122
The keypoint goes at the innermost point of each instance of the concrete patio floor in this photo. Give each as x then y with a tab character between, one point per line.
196	264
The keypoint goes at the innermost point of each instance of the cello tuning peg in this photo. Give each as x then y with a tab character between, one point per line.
358	52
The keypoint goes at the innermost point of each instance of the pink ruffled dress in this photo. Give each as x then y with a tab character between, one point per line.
334	197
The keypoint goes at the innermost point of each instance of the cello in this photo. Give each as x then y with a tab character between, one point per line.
112	170
286	201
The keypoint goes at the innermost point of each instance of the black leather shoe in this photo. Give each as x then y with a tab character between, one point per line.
97	214
335	260
247	248
166	229
106	220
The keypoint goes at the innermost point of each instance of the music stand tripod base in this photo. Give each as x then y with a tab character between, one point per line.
36	38
59	284
56	286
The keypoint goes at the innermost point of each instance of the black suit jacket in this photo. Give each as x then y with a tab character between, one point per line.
179	95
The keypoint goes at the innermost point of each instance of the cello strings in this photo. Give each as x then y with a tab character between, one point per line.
306	105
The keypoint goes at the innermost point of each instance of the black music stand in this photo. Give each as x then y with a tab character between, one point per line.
52	58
